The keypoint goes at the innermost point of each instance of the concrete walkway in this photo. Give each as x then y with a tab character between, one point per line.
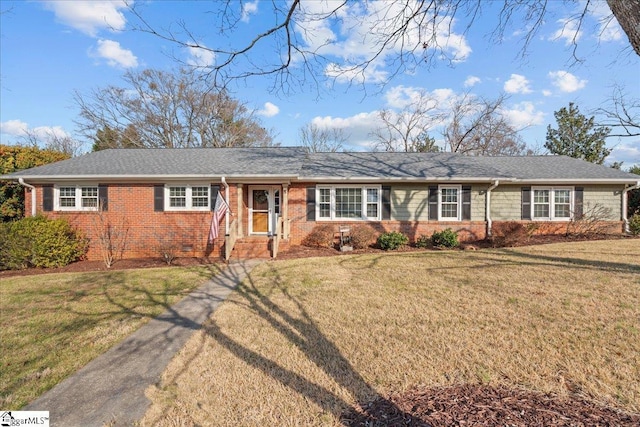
110	389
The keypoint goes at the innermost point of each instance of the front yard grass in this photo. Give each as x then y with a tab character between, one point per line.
302	340
54	324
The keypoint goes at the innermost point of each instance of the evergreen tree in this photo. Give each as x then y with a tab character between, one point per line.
577	136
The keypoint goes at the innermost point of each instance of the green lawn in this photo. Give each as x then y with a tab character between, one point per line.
303	340
53	324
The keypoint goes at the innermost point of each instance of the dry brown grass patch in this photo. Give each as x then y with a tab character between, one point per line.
303	340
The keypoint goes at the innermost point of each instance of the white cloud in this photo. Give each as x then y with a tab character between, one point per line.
546	92
523	115
248	9
627	152
269	110
115	55
569	31
358	128
471	81
90	16
608	27
566	81
354	33
200	57
19	128
517	84
402	96
14	127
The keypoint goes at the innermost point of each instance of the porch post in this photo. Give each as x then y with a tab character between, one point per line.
240	210
285	211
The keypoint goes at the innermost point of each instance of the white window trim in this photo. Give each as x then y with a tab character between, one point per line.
189	199
78	198
458	217
363	212
552	200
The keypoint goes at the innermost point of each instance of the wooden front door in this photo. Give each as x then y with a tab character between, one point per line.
264	203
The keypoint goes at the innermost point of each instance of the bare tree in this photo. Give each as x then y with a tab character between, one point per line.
477	127
398	35
158	109
322	140
405	130
621	114
51	140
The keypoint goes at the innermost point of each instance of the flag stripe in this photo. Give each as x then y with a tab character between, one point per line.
219	211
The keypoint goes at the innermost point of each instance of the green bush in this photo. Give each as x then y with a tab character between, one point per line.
445	239
392	240
39	242
423	242
634	224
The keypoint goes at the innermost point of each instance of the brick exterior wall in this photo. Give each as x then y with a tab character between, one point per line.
148	233
131	208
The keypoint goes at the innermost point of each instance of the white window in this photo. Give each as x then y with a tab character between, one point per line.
449	203
76	198
348	203
184	197
552	204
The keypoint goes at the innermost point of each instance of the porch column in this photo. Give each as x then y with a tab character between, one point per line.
285	211
240	210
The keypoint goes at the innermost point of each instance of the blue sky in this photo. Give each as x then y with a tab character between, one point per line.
51	49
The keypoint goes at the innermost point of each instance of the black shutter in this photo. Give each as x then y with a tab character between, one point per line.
578	194
466	202
215	189
103	197
158	197
386	202
47	198
311	203
433	202
526	203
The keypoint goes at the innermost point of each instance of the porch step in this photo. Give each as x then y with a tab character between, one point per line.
254	247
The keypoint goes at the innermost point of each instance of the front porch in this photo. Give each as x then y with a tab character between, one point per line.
258	224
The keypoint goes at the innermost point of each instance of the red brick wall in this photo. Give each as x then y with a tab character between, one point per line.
130	209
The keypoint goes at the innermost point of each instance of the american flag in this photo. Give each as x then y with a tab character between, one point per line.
219	211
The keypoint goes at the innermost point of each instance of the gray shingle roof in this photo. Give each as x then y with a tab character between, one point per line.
295	163
174	162
455	166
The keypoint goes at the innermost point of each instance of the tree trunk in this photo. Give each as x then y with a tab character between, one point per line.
627	12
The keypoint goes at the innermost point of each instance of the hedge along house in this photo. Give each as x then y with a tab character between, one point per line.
162	200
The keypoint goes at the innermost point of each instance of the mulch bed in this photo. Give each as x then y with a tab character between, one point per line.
482	405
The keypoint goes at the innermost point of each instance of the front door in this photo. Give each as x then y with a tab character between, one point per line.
264	209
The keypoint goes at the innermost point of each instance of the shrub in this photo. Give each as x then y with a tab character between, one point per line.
423	242
392	240
322	236
40	242
445	239
507	234
634	224
362	236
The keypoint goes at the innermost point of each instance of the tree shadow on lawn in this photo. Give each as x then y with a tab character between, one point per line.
305	335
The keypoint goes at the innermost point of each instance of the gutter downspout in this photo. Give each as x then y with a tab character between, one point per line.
489	221
625	202
33	195
226	197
